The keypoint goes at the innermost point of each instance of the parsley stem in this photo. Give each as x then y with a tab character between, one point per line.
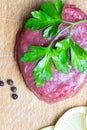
72	24
68	22
58	34
75	23
82	21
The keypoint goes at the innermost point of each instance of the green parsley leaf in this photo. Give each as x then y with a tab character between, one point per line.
58	62
47	56
59	5
78	58
63	44
35	53
60	57
43	71
48	17
51	31
43	21
50	9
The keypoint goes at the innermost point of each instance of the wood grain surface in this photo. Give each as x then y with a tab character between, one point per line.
26	113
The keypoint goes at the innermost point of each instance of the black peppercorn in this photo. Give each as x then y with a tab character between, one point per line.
13	89
10	82
14	96
1	83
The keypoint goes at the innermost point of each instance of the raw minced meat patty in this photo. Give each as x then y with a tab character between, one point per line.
61	85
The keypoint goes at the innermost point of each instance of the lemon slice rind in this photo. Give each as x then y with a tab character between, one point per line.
48	128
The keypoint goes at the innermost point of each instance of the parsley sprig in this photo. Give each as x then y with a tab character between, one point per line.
49	18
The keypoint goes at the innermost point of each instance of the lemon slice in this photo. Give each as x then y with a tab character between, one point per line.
73	119
48	128
86	120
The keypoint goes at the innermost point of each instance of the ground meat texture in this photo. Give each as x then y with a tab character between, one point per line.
73	14
61	85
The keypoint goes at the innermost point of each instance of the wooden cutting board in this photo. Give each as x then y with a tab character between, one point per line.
26	113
